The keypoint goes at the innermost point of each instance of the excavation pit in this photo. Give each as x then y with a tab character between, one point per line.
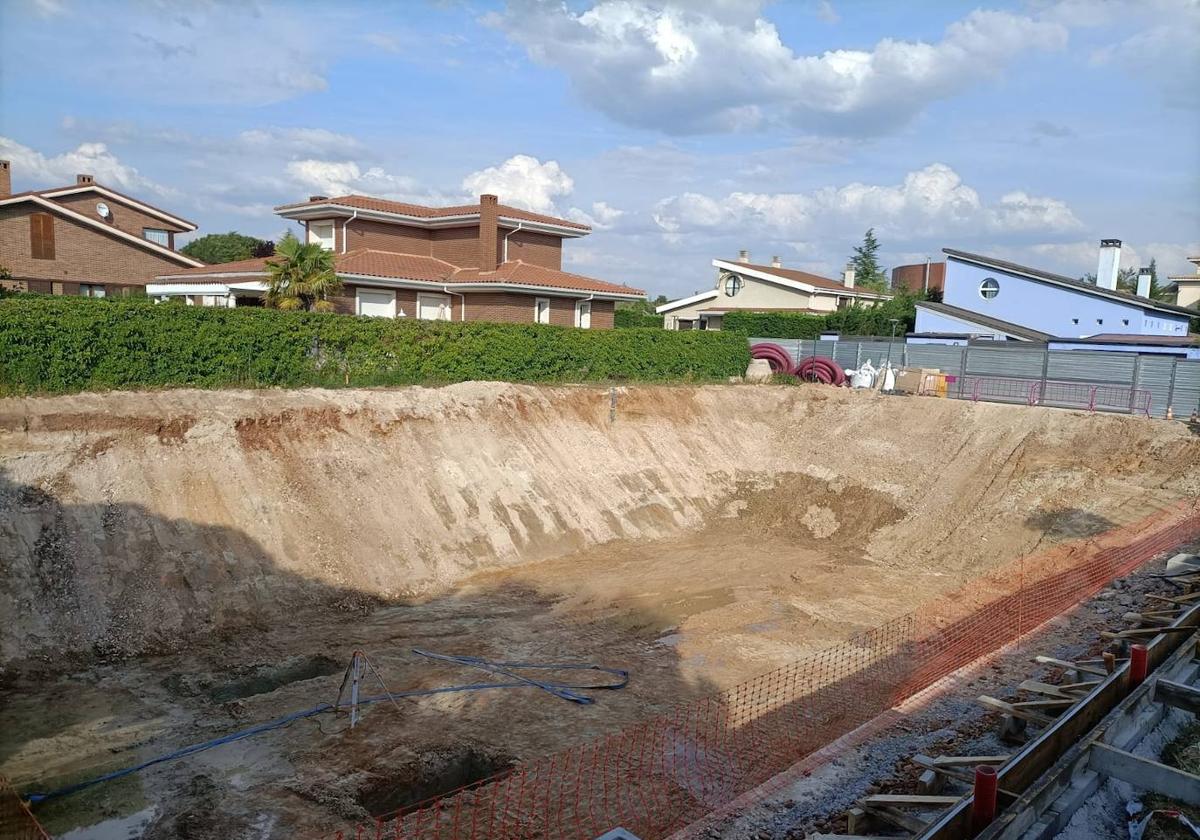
166	592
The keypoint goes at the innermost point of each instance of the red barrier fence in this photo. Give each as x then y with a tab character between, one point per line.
1084	395
16	822
667	772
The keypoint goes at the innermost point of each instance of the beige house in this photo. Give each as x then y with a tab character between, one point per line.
745	286
1187	286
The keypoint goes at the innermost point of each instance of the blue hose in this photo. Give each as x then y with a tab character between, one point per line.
564	691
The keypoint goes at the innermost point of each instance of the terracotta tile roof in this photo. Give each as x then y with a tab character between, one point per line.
420	211
389	264
49	194
522	273
801	277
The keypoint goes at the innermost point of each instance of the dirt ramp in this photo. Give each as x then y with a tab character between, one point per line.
133	522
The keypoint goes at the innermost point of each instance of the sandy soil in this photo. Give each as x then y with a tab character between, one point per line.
179	565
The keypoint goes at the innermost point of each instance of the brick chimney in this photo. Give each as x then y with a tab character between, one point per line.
776	262
84	180
743	256
489	213
5	178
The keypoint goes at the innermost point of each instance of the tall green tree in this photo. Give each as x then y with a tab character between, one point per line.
217	248
867	272
301	276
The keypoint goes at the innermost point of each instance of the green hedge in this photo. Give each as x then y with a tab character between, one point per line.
61	344
631	319
854	320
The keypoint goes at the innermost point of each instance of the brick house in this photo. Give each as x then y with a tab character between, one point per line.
474	262
84	239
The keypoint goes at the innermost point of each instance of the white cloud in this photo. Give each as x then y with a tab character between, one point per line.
522	181
48	8
313	141
600	217
826	12
333	178
86	159
666	65
929	202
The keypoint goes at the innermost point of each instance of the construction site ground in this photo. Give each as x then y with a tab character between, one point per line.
181	565
944	720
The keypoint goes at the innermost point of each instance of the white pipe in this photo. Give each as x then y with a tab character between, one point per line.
345	225
510	233
446	289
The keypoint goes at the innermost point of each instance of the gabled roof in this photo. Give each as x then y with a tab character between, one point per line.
989	323
66	212
388	265
112	195
430	216
797	279
1069	282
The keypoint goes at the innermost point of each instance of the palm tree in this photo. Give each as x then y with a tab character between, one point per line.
301	276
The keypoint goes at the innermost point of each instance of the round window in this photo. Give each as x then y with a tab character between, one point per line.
989	288
733	284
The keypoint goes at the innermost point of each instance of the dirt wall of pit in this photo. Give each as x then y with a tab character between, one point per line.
131	522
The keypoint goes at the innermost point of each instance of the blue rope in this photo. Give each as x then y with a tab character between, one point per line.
564	691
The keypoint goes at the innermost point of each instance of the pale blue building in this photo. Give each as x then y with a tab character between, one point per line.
990	299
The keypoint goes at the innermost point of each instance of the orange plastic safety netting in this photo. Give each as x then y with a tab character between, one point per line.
16	822
669	771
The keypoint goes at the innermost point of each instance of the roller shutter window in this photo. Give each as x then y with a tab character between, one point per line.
41	236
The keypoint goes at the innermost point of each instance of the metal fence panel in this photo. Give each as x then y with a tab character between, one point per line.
846	354
1154	374
1091	366
1019	362
1186	398
946	359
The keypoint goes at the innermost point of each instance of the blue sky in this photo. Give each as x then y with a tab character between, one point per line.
682	131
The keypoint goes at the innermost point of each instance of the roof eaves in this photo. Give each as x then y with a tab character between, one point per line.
113	195
1069	282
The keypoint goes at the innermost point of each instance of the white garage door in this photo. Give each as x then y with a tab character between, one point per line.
376	303
433	307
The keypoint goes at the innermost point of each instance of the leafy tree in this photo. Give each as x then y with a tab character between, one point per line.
217	248
302	276
867	272
638	313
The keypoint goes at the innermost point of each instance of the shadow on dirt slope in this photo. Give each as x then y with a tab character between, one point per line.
126	636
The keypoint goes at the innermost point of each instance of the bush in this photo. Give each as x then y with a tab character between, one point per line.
854	320
624	318
58	344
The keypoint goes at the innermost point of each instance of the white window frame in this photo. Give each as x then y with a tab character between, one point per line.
580	305
93	290
358	290
313	236
537	305
448	303
164	236
989	282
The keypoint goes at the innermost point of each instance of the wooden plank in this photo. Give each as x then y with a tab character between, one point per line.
907	800
1009	708
1053	703
1054	746
1180	696
1181	600
1070	691
1076	666
966	760
898	818
1145	631
1145	774
961	774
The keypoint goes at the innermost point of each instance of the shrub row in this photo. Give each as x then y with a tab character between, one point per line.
631	318
58	344
854	320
